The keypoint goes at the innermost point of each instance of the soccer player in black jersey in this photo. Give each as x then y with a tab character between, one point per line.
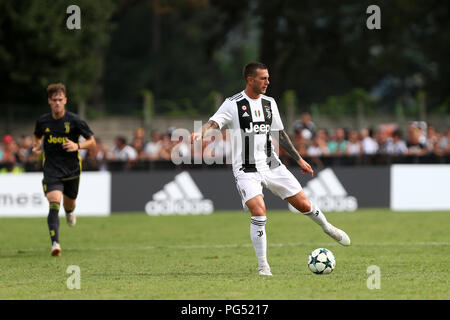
56	138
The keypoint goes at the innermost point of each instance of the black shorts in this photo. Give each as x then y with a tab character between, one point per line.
68	186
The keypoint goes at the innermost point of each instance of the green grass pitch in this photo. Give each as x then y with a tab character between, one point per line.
135	256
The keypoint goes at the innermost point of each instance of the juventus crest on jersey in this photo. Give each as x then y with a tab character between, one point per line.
250	123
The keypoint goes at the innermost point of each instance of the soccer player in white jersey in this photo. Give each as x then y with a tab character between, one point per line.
252	118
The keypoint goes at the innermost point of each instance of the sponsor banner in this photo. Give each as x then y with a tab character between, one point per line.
347	188
21	195
180	196
170	192
199	191
328	193
420	187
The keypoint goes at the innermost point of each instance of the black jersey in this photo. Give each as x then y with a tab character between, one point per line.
57	162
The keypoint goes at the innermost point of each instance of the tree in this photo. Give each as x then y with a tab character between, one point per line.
37	48
323	48
180	50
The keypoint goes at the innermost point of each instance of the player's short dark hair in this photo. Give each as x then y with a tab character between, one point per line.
55	88
250	69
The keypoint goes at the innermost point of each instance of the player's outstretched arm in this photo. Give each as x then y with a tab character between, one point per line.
206	129
88	143
286	144
71	146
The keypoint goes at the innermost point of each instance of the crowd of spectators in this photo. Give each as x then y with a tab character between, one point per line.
322	147
386	145
15	155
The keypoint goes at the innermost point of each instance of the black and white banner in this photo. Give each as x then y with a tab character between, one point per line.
204	191
197	191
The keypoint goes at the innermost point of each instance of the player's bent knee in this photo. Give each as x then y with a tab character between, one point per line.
257	209
69	209
256	206
53	197
305	206
69	205
258	212
300	202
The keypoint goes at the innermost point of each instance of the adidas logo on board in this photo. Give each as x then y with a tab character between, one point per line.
180	196
328	193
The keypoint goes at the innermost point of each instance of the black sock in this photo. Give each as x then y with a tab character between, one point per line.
53	221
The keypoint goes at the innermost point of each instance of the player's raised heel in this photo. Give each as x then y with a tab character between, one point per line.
338	235
71	219
264	270
56	249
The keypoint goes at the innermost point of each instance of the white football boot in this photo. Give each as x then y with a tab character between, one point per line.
264	270
337	234
56	249
71	219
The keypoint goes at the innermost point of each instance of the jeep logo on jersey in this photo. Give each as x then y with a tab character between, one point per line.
180	196
53	139
328	193
260	127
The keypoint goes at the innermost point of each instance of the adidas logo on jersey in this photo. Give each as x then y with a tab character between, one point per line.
180	196
258	128
328	193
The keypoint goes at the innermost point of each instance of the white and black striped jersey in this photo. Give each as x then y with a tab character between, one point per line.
250	123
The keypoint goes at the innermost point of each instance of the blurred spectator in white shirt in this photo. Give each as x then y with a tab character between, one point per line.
314	149
122	151
153	147
369	145
319	146
396	145
354	147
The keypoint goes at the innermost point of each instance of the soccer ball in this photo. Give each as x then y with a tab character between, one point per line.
321	261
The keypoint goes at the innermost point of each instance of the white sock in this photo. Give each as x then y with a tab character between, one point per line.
259	240
317	216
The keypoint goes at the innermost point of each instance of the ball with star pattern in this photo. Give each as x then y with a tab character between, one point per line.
321	261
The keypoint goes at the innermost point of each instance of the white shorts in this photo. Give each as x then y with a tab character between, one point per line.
280	181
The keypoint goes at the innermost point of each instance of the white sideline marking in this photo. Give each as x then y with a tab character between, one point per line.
230	246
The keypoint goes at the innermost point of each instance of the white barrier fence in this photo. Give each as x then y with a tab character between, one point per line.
420	187
21	195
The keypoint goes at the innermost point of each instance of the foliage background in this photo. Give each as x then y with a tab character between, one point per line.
189	54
